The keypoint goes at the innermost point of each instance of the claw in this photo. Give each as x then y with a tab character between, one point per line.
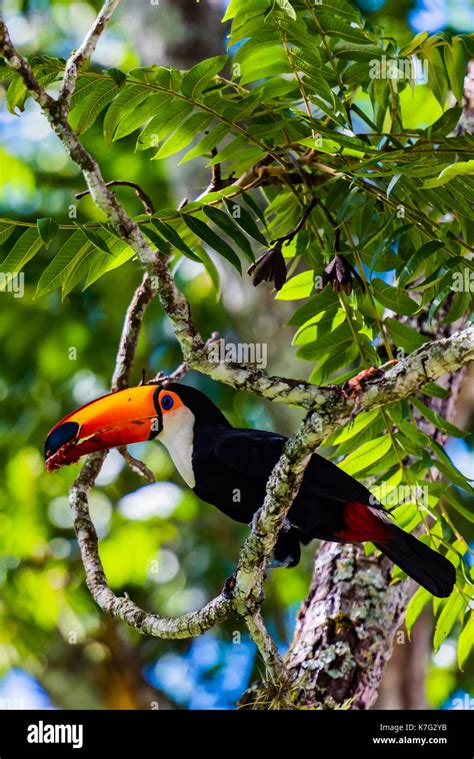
254	523
229	585
286	527
275	564
353	388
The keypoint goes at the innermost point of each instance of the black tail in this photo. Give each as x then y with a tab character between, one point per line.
429	568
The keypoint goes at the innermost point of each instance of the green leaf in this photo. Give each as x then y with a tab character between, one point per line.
361	421
316	326
416	42
366	455
158	103
437	420
287	7
86	113
451	610
200	76
129	97
6	229
118	76
437	74
17	93
459	306
394	298
462	168
446	467
183	135
415	606
417	260
339	8
262	61
244	220
466	641
76	247
206	234
435	391
96	240
342	140
454	500
101	263
438	300
297	287
169	118
328	367
335	27
76	272
161	244
404	336
324	299
47	230
23	251
174	238
210	141
253	205
211	269
223	221
455	58
445	123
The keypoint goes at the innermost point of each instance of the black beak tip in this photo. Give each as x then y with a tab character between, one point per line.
61	435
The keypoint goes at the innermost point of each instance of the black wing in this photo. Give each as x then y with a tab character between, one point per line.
319	508
255	452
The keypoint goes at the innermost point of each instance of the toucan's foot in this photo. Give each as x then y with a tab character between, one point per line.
276	564
254	524
354	387
229	586
286	527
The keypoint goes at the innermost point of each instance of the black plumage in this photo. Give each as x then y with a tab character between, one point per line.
231	469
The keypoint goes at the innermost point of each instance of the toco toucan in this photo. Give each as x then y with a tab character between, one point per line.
229	468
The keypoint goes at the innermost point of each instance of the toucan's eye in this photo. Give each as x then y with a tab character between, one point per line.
167	402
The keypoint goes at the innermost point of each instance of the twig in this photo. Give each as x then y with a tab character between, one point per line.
137	466
289	237
140	193
142	298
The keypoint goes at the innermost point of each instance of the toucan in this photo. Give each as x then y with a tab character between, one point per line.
229	468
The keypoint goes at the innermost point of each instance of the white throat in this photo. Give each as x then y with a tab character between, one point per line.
177	436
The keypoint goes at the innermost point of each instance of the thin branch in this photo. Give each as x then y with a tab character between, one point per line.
142	298
140	193
273	661
137	466
80	57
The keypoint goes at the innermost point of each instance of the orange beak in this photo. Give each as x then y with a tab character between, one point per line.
121	418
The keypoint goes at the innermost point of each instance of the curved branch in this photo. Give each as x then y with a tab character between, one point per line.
123	608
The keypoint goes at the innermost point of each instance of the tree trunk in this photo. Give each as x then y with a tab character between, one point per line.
345	629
